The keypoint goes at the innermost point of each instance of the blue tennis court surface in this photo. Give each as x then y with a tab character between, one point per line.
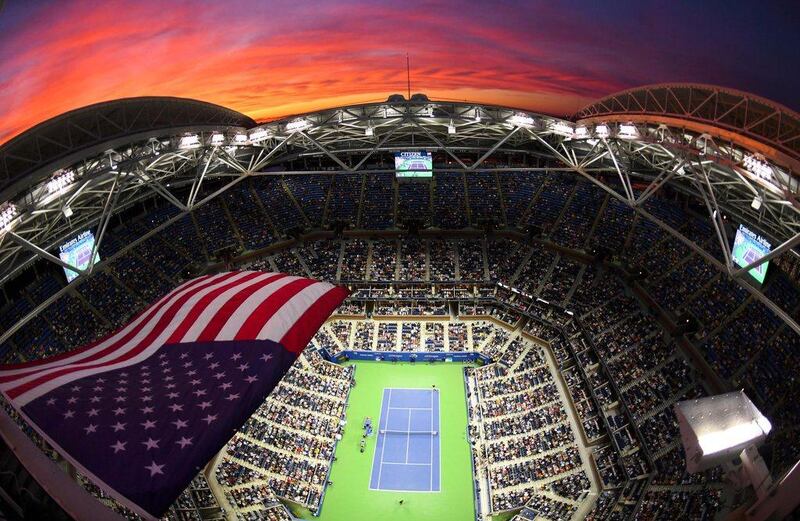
407	453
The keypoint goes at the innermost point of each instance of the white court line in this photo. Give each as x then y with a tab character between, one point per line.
408	435
411	408
383	448
430	454
409	464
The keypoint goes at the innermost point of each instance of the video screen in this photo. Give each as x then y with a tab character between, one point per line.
413	164
77	252
748	247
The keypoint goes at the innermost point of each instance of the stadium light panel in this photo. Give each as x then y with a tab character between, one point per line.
7	216
259	135
756	204
298	125
60	181
758	168
581	132
240	139
451	129
186	142
562	128
67	211
369	131
628	131
602	131
521	120
217	139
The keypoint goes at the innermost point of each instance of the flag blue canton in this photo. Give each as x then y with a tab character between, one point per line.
146	430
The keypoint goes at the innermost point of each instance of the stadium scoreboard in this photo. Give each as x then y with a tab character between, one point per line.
416	164
748	247
77	252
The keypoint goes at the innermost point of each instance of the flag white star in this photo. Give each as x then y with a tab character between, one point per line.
219	375
213	366
155	469
51	401
184	355
124	382
69	414
251	379
195	382
226	386
243	367
122	389
236	356
232	397
148	424
146	410
168	378
75	389
162	355
208	356
199	392
146	389
170	386
98	389
204	405
147	398
210	418
146	381
119	426
118	411
266	358
167	370
179	424
119	399
184	441
124	375
91	428
175	407
94	399
150	443
187	365
120	445
93	412
172	396
72	400
101	380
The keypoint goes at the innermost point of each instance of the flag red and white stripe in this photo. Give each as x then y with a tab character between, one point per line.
246	305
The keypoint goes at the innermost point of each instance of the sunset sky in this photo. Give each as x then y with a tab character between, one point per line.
272	58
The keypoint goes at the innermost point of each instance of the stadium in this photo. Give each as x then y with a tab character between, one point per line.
531	299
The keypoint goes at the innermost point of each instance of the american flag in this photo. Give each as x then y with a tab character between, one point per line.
142	410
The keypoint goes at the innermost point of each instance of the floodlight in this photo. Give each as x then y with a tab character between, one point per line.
260	134
7	216
756	204
562	128
521	120
217	139
716	429
628	131
67	211
601	130
369	131
451	129
297	125
60	180
757	167
240	139
191	141
581	132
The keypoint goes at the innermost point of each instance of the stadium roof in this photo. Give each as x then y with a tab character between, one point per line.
78	170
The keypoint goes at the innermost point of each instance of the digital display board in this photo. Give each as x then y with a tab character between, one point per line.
413	164
748	247
77	252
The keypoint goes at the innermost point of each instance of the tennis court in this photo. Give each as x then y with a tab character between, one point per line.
408	446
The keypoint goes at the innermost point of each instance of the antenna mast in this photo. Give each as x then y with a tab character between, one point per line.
408	76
